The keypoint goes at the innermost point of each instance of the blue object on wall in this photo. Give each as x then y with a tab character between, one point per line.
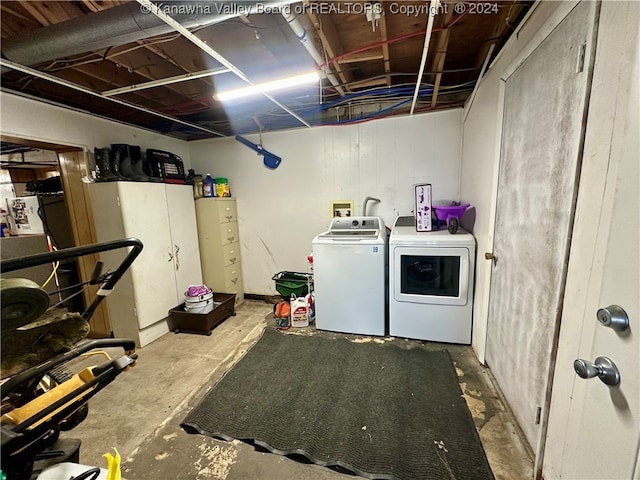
270	160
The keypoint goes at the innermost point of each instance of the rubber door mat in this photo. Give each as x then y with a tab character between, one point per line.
379	410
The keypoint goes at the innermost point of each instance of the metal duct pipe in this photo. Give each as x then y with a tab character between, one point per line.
306	42
117	26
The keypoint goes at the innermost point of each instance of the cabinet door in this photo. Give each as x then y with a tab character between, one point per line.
184	236
144	215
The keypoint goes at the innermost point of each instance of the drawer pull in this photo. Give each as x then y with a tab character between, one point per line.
235	280
232	260
229	217
231	239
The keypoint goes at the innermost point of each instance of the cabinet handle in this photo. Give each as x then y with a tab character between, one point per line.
170	256
229	217
232	260
177	248
231	239
234	280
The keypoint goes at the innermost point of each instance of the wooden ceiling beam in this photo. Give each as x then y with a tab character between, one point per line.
204	81
92	5
437	64
326	30
361	57
146	64
98	81
12	11
368	83
382	23
35	12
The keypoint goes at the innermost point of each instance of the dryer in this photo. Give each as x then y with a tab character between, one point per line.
349	276
430	283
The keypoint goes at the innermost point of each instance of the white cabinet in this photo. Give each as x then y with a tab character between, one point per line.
162	216
220	245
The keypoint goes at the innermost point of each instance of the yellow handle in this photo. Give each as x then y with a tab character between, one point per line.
35	406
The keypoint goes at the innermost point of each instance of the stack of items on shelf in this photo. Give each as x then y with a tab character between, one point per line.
124	162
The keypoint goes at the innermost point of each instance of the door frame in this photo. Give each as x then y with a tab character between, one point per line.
72	164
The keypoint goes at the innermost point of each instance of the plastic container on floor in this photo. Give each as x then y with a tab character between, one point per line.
299	312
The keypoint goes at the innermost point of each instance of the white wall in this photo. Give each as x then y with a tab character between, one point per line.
34	120
481	149
281	210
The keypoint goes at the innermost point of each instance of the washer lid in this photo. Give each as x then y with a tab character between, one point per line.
350	234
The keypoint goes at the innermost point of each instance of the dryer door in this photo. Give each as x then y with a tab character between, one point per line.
431	275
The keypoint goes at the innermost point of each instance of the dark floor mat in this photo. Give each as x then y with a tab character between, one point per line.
381	411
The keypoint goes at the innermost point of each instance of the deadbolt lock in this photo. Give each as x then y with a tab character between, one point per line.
613	317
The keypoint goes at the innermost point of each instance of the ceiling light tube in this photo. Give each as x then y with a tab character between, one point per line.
274	85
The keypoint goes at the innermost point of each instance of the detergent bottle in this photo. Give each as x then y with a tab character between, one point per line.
208	186
299	312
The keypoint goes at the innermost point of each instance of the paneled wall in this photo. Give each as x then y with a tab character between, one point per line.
281	210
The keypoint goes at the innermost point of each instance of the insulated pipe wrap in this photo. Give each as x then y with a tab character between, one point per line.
112	27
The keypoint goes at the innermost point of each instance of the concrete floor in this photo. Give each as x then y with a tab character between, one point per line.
140	412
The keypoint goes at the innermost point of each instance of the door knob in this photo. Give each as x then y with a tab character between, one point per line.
603	368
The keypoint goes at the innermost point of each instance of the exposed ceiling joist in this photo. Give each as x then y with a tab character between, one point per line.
80	53
440	54
330	41
385	45
79	88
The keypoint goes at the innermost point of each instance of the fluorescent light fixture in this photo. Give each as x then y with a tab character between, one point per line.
268	86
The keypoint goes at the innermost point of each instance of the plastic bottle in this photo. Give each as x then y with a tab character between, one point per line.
208	187
222	187
299	312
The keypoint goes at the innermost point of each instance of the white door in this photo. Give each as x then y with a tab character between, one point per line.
144	215
184	238
594	429
544	106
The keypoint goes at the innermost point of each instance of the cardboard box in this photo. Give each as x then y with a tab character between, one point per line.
203	323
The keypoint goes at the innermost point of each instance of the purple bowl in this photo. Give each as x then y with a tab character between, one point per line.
445	212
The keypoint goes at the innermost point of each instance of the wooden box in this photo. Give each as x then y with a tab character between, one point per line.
203	323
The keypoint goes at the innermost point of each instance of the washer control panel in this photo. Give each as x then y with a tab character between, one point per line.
355	223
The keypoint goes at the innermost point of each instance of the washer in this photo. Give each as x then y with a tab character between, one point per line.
349	276
430	283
